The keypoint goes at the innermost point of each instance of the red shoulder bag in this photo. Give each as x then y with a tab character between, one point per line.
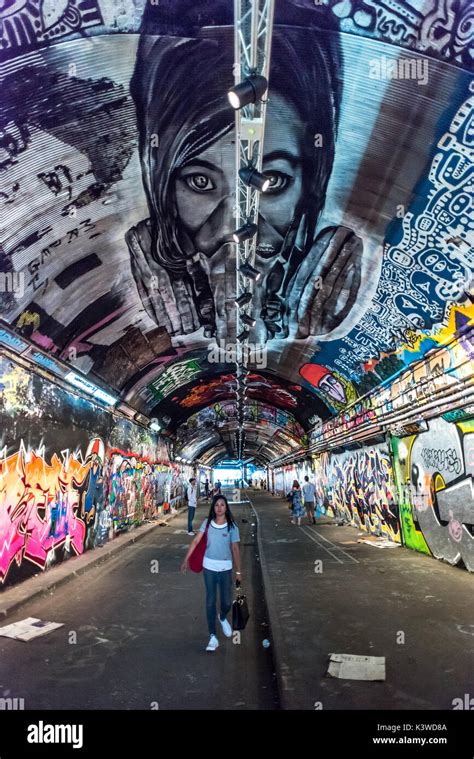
197	557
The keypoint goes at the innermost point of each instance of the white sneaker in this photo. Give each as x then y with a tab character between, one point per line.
213	643
191	533
226	628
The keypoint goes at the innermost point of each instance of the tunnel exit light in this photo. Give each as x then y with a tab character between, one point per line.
91	389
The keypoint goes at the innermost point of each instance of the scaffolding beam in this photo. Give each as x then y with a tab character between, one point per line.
253	23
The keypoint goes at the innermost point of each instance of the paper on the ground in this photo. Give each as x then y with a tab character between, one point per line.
351	667
29	628
380	543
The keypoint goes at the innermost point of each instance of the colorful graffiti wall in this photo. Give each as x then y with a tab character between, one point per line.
426	501
139	489
434	472
116	216
358	487
72	474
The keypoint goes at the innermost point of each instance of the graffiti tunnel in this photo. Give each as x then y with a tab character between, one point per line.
265	296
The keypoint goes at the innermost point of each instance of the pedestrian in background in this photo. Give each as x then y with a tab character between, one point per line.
192	503
206	489
297	507
222	551
309	495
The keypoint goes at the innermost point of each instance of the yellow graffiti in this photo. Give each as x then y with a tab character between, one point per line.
441	334
28	318
13	390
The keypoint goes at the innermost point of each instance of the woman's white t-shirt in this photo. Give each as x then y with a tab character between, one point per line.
218	555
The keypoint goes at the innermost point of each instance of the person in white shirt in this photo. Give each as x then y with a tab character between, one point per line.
192	503
309	494
221	554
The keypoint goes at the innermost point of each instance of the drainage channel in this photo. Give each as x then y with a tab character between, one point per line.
253	587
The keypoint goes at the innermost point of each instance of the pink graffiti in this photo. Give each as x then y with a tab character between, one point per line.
39	508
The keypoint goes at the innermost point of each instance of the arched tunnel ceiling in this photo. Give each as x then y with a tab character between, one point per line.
187	387
269	433
116	182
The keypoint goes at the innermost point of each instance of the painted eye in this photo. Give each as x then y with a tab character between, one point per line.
278	181
199	183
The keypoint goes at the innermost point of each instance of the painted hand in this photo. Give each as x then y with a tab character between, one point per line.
324	288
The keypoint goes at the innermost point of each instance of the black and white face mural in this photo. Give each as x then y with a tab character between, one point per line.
183	254
117	179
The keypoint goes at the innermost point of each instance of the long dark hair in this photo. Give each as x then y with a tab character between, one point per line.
228	514
179	89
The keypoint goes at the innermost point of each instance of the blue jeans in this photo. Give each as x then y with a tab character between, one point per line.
223	580
191	511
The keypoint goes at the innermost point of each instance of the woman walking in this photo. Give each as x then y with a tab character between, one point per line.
222	550
297	507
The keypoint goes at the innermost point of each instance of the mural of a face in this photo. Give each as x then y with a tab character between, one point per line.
189	172
333	387
139	142
204	190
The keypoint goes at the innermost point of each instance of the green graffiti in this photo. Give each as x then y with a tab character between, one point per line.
172	378
412	536
458	415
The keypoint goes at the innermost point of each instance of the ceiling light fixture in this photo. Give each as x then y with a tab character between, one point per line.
250	271
248	320
246	232
243	335
253	178
251	89
244	299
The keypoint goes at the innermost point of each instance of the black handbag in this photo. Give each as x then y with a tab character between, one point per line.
240	613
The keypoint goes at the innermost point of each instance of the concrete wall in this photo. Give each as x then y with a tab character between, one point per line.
72	474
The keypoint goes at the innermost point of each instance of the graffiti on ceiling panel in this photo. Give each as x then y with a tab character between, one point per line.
116	191
438	29
272	393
